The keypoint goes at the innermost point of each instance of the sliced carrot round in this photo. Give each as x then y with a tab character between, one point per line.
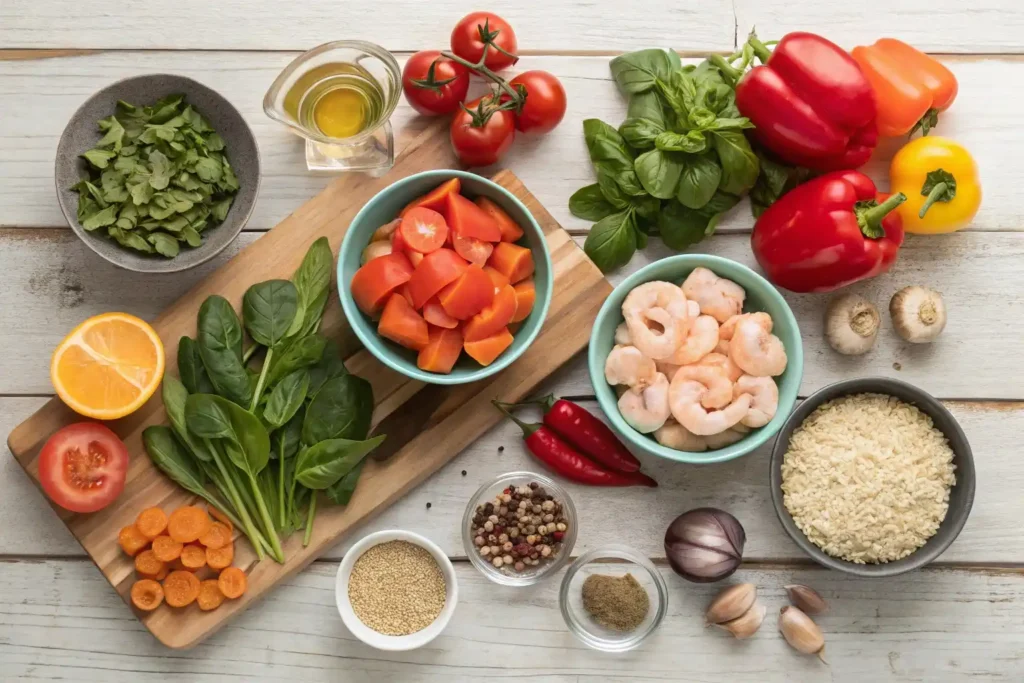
210	596
222	518
526	295
435	314
473	250
188	523
468	295
218	536
148	564
232	582
131	540
181	588
493	318
510	230
193	557
424	230
151	522
437	269
220	558
147	594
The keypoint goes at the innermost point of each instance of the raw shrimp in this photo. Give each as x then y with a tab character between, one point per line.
722	346
717	296
666	368
757	352
701	340
684	398
646	410
657	318
764	399
723	439
674	435
693	308
627	365
718	387
622	336
728	328
722	362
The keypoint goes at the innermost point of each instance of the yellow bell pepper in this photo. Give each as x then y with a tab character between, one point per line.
941	182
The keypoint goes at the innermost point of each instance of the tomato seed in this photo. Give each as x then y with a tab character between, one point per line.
79	467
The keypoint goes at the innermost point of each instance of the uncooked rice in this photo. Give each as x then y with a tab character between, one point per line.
867	478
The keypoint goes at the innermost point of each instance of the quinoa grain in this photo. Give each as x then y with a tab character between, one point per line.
396	588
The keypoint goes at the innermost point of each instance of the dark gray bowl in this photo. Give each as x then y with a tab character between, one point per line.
961	496
81	134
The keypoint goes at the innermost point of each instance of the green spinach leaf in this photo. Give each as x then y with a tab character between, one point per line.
325	463
341	492
268	309
173	460
312	282
589	203
245	438
341	409
659	172
190	367
286	398
699	181
612	240
288	438
297	354
220	346
330	365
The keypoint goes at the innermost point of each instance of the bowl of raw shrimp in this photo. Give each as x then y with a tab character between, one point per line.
696	358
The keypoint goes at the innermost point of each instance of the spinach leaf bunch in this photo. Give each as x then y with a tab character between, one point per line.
677	163
158	177
258	432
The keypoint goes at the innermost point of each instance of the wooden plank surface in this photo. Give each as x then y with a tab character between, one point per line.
61	622
553	166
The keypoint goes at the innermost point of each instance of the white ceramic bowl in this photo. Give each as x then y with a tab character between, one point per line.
367	634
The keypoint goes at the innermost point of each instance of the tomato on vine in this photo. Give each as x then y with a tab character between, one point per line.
545	101
434	84
478	30
481	132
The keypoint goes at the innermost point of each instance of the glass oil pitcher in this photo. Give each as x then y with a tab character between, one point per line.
339	97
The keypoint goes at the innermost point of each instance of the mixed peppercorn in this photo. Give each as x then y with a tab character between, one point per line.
521	528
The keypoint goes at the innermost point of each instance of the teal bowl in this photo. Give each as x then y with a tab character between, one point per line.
384	207
761	296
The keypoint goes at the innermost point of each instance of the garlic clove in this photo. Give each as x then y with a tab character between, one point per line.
747	623
731	603
918	314
807	599
801	632
851	324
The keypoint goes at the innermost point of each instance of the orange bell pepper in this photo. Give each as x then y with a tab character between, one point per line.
910	87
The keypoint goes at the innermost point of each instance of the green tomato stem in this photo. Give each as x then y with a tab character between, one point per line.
263	378
309	520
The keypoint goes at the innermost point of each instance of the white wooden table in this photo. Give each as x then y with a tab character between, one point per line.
962	619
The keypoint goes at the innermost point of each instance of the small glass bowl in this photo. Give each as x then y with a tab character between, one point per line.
610	560
507	576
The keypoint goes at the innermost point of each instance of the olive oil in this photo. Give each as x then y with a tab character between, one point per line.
339	100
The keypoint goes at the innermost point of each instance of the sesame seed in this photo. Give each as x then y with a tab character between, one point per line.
397	588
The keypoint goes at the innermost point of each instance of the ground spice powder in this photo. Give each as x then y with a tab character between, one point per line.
617	602
396	588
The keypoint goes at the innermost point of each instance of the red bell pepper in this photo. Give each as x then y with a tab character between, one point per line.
811	104
828	233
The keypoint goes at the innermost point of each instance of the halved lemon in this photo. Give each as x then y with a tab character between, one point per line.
108	366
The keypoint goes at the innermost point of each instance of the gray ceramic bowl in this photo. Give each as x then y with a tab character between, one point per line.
81	134
961	496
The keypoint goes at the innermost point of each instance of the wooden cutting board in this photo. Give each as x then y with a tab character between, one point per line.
426	425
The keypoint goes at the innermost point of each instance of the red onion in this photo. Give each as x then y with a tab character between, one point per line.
705	545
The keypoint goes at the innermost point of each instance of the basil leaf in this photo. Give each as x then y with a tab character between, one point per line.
647	105
589	203
612	192
219	340
298	353
638	71
680	92
740	165
646	206
99	157
641	132
268	309
286	398
246	440
773	181
325	463
611	157
341	492
699	181
691	142
720	203
342	409
738	123
164	244
659	172
680	227
612	241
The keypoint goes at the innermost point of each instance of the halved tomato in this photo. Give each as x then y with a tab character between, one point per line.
82	467
437	269
424	230
468	220
374	282
473	250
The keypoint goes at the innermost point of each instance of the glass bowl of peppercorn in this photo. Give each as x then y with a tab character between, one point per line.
612	598
519	528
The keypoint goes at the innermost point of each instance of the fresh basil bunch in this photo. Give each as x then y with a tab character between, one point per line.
676	164
268	438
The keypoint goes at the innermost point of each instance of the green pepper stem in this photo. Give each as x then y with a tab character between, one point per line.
761	50
871	215
528	429
936	195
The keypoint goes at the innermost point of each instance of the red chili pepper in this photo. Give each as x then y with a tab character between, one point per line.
828	233
582	429
810	103
550	449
